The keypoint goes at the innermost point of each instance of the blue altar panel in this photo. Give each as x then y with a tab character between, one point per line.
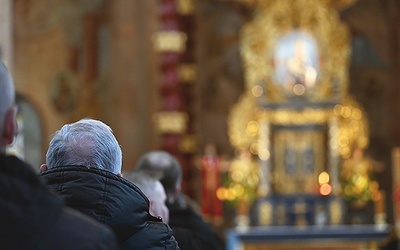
291	209
327	236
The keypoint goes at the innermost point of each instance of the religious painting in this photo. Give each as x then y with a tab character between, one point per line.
296	62
64	92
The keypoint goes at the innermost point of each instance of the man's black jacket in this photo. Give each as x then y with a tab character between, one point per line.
113	201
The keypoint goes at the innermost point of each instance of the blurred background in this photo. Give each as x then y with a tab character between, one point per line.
165	74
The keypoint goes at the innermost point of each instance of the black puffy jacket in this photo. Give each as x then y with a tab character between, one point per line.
31	217
182	215
113	201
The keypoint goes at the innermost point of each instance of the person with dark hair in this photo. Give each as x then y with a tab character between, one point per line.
183	212
83	165
33	217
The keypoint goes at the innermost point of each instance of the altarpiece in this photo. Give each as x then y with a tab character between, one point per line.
296	114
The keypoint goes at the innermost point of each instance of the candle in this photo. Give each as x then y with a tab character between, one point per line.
380	203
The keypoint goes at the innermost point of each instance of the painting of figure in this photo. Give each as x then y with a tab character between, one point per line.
296	60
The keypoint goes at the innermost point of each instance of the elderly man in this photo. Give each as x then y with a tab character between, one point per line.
83	165
182	213
32	217
154	191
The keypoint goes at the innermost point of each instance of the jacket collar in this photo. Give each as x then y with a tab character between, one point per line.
107	197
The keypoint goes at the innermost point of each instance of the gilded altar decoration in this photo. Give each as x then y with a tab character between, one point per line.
296	48
337	4
169	41
358	185
353	126
188	144
303	160
268	64
244	180
243	114
185	7
174	122
296	115
187	73
244	175
266	214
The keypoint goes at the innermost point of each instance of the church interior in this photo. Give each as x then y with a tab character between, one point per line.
282	113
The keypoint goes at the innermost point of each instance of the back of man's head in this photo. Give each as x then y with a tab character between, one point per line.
164	165
153	189
143	180
87	142
7	98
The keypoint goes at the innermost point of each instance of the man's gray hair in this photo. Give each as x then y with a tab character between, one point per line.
7	94
147	183
87	142
164	166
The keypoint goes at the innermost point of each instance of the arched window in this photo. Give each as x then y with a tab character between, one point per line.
28	143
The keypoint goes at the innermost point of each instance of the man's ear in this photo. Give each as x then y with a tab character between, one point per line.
43	168
10	127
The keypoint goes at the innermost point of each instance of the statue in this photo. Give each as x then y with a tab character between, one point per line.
211	206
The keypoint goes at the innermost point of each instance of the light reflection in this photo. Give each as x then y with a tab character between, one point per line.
252	128
325	189
345	112
343	141
323	178
257	91
337	109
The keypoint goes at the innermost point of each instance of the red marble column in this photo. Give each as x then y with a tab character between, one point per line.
170	86
176	65
188	76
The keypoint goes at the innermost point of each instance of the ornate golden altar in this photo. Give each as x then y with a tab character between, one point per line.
296	114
